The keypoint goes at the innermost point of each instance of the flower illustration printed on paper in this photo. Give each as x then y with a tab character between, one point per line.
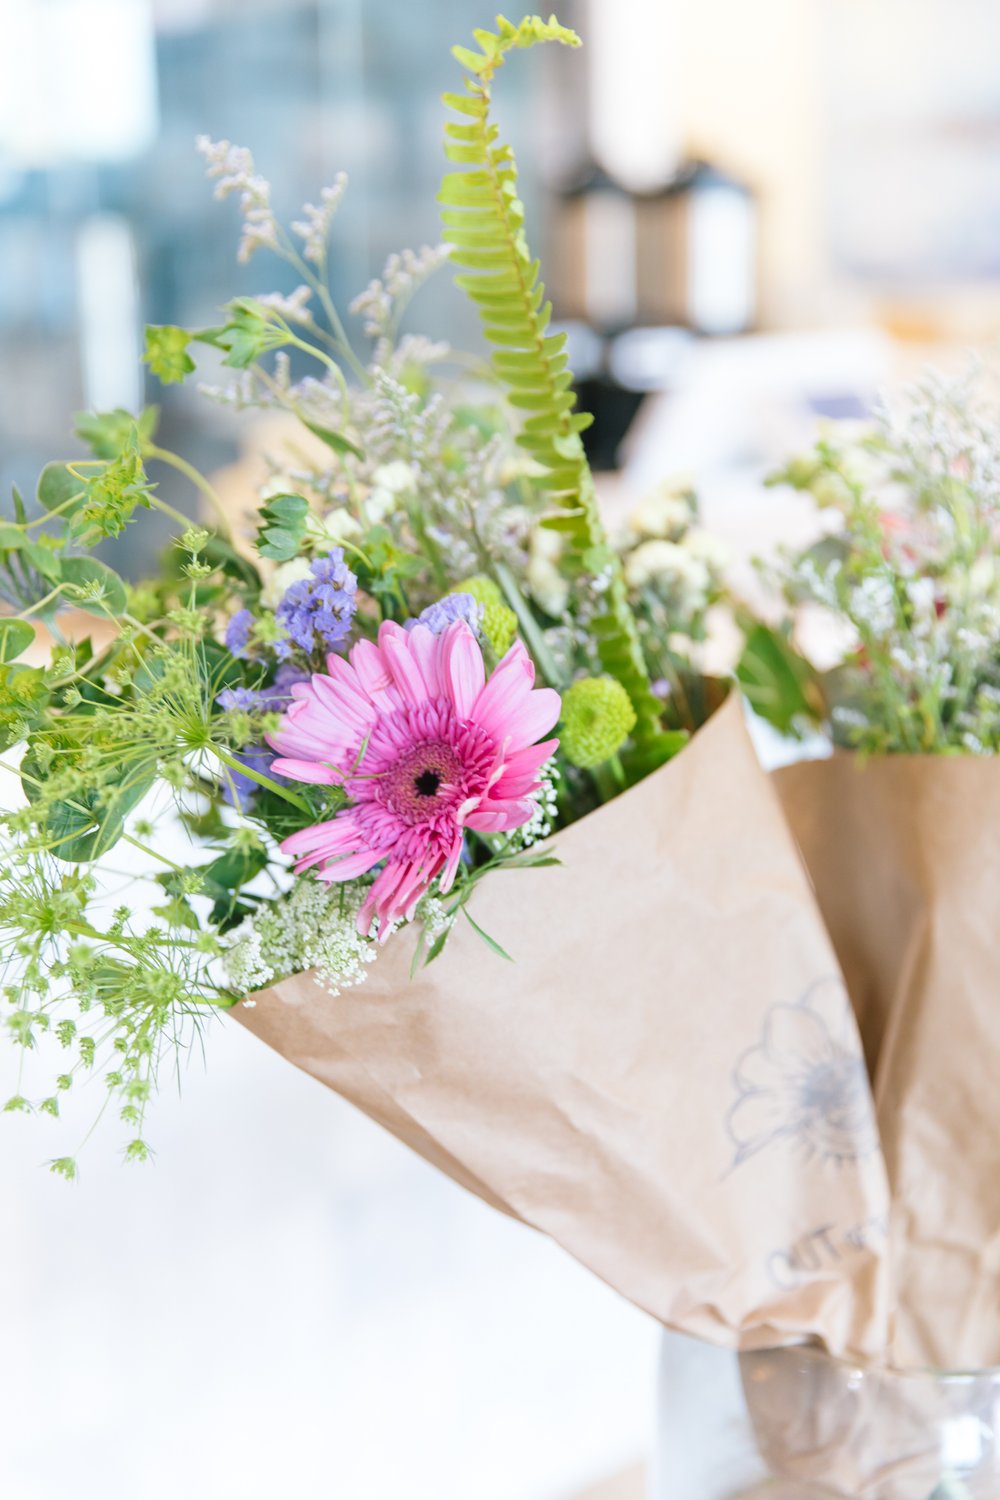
805	1081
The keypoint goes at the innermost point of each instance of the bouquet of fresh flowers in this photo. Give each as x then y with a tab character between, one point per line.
345	681
891	649
422	717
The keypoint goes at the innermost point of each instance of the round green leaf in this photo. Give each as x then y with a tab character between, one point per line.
86	571
85	827
56	485
15	638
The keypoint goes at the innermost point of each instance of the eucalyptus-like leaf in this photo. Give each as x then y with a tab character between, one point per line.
57	486
15	638
104	592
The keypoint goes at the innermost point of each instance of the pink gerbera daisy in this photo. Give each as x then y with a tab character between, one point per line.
425	748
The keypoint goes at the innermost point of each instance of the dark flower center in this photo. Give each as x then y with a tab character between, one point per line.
425	781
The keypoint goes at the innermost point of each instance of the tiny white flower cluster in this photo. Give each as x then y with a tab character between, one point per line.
232	168
314	226
946	427
293	307
540	825
239	393
546	580
433	916
313	927
911	570
873	604
665	514
382	302
663	551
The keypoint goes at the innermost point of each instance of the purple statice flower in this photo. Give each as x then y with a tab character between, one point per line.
238	632
240	790
242	698
278	694
437	617
317	612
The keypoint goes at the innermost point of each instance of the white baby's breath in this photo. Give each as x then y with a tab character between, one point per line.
313	927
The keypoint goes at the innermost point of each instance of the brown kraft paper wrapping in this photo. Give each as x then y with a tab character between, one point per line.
904	855
668	1080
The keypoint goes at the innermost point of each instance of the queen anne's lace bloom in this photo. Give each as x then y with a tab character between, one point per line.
313	927
425	748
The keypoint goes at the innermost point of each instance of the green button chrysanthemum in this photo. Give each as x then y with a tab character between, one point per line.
597	719
499	625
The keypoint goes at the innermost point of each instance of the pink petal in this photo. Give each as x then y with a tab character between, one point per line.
351	712
508	708
344	675
519	652
492	819
336	834
381	900
395	894
425	647
291	741
306	770
462	667
523	766
374	676
394	644
514	789
451	866
350	866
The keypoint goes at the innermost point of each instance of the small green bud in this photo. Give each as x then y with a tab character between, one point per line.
166	353
499	627
483	589
193	540
499	624
597	719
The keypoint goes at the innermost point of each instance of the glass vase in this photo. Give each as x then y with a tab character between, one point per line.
795	1424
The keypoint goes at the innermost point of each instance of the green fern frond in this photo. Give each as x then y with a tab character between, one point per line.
483	221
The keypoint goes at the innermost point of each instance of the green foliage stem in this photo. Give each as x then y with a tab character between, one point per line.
483	221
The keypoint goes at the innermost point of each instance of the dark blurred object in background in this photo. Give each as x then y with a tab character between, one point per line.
684	253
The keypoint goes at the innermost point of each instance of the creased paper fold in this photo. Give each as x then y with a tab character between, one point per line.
905	854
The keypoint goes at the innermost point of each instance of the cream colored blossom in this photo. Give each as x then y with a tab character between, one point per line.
389	483
709	549
664	514
671	565
332	529
282	579
546	581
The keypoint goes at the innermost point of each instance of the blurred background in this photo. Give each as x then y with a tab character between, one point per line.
753	217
